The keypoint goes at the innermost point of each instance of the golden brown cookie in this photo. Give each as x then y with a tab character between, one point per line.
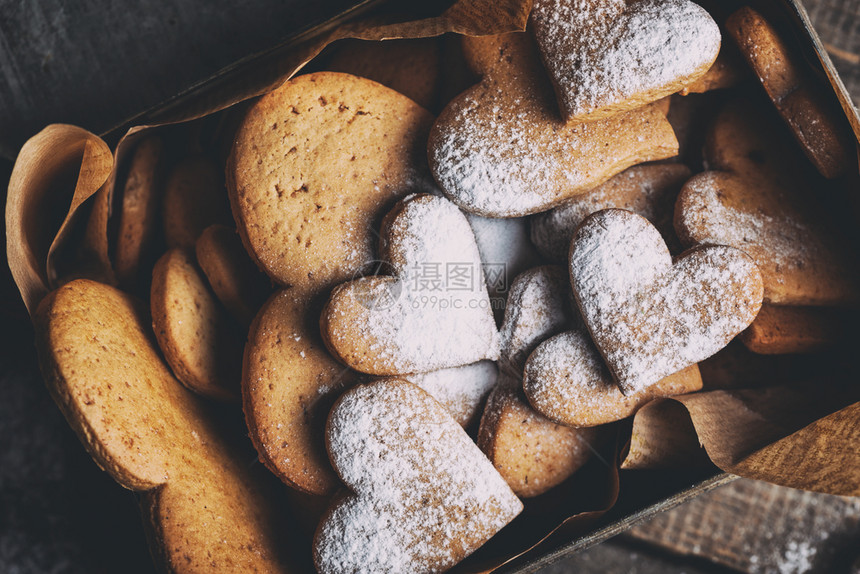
289	383
234	278
432	313
758	198
312	164
204	508
423	496
566	381
778	330
690	117
816	122
532	453
194	199
138	209
501	149
410	67
650	316
200	342
649	190
610	56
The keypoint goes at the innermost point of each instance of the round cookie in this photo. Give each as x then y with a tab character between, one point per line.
411	67
205	508
289	382
312	164
500	149
138	209
200	342
779	329
649	190
194	199
609	56
234	278
422	495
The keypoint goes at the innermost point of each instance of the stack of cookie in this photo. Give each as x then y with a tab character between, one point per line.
443	313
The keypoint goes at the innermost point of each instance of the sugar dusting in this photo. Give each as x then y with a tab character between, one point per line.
602	52
648	317
419	322
540	304
425	496
461	390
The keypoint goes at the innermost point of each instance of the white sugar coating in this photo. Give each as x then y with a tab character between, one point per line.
540	304
566	380
649	190
650	318
461	390
501	149
436	314
425	496
762	236
504	246
603	52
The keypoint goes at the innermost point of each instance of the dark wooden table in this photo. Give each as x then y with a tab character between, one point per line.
70	62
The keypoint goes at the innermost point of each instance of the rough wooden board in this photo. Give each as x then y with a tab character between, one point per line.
752	526
838	24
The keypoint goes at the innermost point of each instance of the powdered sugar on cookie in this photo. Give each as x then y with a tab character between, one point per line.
461	390
434	314
605	56
648	317
425	496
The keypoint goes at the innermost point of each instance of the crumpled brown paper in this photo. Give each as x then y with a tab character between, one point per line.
57	216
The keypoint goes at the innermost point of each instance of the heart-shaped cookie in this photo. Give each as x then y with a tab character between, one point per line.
648	317
759	198
433	314
501	149
531	452
566	381
609	56
461	390
313	163
424	496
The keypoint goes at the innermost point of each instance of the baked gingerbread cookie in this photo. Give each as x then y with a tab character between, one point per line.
138	209
412	67
650	316
423	496
306	183
204	507
566	380
649	190
816	123
605	57
532	453
758	198
726	72
501	149
289	382
779	330
461	390
432	313
234	278
199	340
194	199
